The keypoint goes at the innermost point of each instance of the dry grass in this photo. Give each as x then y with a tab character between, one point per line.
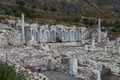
7	17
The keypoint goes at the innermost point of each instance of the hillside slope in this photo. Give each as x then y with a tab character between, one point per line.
75	12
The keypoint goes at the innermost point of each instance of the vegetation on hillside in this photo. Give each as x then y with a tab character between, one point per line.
69	12
8	73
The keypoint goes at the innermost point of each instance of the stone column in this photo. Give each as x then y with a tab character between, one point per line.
40	33
31	32
86	47
97	74
79	35
73	66
105	48
23	25
99	30
53	35
71	36
82	36
93	43
118	49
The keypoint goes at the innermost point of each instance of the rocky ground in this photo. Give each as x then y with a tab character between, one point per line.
111	77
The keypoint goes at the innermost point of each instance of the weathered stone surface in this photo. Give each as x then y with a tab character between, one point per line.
32	43
85	73
3	39
15	38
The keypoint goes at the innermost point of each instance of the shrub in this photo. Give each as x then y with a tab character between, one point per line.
18	13
8	12
21	3
8	73
77	19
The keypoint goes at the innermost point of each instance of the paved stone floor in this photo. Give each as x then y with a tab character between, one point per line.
52	75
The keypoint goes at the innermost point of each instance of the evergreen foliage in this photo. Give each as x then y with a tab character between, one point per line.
8	73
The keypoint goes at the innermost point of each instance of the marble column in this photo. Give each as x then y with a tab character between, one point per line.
82	36
105	48
119	49
23	30
86	47
67	35
47	36
79	35
63	36
71	36
43	36
32	38
31	33
39	34
99	30
73	66
53	36
93	44
97	74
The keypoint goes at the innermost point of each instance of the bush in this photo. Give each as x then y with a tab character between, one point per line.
34	6
53	9
8	73
8	12
21	3
18	13
77	19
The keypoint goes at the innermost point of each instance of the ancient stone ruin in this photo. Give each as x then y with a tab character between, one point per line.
37	49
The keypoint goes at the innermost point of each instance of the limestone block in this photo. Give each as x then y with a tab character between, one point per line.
84	73
31	43
3	40
45	47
